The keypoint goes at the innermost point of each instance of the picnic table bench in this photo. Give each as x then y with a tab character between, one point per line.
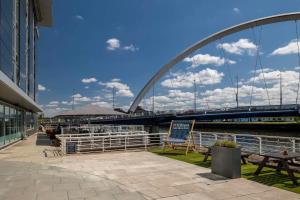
279	162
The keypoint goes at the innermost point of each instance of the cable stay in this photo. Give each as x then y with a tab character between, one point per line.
298	54
258	44
223	55
172	85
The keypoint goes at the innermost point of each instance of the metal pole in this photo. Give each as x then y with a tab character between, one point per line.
153	94
73	99
237	92
113	97
195	96
280	89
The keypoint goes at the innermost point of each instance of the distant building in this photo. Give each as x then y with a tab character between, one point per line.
85	113
19	22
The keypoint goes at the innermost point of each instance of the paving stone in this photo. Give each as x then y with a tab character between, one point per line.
82	193
65	186
129	196
57	195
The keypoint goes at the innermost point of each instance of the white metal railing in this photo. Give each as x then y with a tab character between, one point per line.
87	142
258	144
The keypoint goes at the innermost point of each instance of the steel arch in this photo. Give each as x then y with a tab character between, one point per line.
205	41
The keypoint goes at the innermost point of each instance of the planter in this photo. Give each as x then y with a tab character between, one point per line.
226	161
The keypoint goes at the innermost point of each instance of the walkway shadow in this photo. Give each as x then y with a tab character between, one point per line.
213	177
43	140
273	179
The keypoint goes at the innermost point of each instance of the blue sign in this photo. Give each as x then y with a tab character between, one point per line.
180	130
71	147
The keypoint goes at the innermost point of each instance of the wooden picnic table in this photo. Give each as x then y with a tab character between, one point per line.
283	163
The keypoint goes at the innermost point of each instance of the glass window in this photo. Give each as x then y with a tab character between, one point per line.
31	63
6	122
6	37
22	44
1	125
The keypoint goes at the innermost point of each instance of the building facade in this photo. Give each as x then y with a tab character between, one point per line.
19	22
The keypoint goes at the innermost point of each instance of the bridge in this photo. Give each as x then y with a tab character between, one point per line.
241	114
240	107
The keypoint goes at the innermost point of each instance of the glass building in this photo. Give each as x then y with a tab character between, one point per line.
19	22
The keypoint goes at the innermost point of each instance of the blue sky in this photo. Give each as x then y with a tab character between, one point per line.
95	46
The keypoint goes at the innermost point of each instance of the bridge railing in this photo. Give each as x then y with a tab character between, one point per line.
101	128
258	144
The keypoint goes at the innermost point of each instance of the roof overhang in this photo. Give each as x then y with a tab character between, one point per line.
12	94
43	10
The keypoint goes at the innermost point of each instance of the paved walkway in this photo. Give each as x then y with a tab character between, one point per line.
25	173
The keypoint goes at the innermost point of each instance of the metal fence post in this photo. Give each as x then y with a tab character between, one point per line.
260	145
200	139
145	140
294	144
234	138
125	143
102	144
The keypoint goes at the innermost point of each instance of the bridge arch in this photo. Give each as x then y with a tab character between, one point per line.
218	35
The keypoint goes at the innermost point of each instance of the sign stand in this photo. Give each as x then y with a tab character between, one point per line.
180	135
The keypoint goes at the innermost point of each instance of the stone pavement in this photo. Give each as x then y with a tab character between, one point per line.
26	174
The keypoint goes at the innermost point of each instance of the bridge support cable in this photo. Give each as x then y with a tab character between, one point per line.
254	77
172	85
298	54
224	56
257	42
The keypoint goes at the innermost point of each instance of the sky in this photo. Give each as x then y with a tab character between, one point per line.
103	47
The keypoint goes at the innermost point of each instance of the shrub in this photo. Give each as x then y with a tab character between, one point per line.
226	143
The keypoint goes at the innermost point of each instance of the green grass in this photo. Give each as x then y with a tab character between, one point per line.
268	176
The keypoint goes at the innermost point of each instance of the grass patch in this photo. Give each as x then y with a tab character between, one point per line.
267	177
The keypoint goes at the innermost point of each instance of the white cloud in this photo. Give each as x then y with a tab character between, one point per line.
122	89
239	47
89	80
115	80
53	102
66	103
79	17
102	104
290	48
79	98
236	10
186	80
205	59
41	87
131	47
51	112
113	44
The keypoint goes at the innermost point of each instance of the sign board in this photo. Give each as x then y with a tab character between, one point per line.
71	147
180	135
180	130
